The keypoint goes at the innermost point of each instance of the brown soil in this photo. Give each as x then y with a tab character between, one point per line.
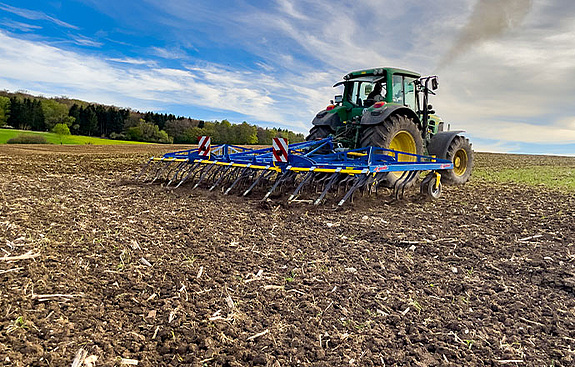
483	276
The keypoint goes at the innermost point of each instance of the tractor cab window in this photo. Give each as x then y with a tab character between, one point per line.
404	91
358	92
409	92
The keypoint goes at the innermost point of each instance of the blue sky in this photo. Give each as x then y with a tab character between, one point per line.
506	67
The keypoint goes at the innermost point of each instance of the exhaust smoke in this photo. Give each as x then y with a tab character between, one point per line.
489	19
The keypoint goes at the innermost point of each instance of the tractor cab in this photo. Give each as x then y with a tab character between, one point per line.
384	89
374	88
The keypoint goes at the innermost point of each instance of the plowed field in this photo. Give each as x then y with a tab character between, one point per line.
105	272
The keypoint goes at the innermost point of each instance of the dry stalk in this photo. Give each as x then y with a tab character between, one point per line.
29	255
10	270
258	334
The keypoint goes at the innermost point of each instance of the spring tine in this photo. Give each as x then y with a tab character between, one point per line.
303	182
179	169
238	179
193	170
279	180
254	184
409	178
204	174
328	186
215	173
359	182
150	173
160	171
171	172
144	168
397	185
225	173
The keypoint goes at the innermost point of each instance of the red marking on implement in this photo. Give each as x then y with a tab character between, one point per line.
380	168
280	150
447	165
204	146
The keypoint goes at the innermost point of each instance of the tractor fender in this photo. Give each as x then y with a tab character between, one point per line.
440	143
325	118
377	116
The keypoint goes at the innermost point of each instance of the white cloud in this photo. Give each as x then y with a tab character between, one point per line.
38	66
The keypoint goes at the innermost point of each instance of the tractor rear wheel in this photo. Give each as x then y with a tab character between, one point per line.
461	154
319	132
399	133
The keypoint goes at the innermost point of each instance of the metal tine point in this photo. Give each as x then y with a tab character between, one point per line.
171	172
226	171
204	174
328	186
303	182
359	181
176	174
193	170
263	174
279	180
160	171
238	179
144	168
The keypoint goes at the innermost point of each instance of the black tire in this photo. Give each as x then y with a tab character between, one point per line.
319	132
430	187
383	136
462	156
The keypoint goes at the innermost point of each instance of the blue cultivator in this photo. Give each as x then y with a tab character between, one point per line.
297	168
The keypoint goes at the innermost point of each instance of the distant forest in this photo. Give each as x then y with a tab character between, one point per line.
24	111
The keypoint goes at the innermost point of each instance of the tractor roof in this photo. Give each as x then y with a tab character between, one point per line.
380	71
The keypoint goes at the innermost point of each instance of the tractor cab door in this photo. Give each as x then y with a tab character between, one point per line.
403	91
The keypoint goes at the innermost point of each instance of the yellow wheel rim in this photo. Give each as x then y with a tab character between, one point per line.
460	162
403	141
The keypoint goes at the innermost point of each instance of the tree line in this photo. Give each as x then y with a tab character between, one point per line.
26	112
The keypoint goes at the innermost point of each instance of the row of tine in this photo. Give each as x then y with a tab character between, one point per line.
243	179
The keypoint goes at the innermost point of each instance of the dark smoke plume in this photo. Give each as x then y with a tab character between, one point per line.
489	19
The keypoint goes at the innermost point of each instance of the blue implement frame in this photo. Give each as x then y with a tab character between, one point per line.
306	156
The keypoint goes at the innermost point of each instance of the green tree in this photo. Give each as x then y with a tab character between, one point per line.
4	110
61	130
54	113
146	131
245	133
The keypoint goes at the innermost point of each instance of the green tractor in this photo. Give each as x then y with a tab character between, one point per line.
388	108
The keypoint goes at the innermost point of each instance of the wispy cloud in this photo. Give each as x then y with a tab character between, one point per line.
24	27
132	61
34	15
168	53
85	41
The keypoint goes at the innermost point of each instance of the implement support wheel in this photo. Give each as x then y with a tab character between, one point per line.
461	154
431	186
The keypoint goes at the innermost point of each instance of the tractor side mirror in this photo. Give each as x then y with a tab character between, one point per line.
434	83
338	98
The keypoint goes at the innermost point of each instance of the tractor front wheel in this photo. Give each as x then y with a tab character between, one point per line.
399	133
461	154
